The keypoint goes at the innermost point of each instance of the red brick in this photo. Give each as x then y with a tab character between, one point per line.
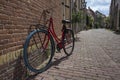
15	18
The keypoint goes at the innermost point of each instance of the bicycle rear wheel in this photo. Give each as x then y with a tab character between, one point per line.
38	51
68	42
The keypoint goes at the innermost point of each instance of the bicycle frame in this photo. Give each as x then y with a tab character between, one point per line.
40	43
52	31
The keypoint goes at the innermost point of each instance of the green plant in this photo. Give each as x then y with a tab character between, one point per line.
77	17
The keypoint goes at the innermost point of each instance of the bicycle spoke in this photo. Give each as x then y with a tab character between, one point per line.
38	51
68	42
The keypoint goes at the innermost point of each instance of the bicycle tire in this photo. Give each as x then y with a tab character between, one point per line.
33	60
68	42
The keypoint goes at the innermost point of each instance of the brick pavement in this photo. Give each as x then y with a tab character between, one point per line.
96	57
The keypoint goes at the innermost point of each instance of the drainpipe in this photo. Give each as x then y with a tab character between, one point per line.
71	7
70	12
63	3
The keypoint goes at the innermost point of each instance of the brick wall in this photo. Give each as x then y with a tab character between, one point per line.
15	18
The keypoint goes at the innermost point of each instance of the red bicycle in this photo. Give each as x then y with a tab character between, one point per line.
39	47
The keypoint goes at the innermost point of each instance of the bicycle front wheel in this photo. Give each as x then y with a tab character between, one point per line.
68	42
38	51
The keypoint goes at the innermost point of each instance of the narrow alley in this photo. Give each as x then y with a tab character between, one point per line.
96	57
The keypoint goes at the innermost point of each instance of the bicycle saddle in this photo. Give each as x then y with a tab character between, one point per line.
66	21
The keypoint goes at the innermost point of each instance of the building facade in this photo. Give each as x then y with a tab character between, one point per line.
16	16
115	15
79	8
99	20
95	19
90	18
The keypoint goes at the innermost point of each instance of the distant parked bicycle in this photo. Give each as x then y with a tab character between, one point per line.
39	47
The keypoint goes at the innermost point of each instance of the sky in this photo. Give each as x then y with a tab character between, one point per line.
100	5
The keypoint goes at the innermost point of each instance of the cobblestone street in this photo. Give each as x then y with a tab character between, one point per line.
96	56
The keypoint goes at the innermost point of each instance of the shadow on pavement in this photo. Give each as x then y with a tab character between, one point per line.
31	77
54	63
117	32
58	61
77	39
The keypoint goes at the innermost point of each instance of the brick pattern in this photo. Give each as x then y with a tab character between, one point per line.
16	16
